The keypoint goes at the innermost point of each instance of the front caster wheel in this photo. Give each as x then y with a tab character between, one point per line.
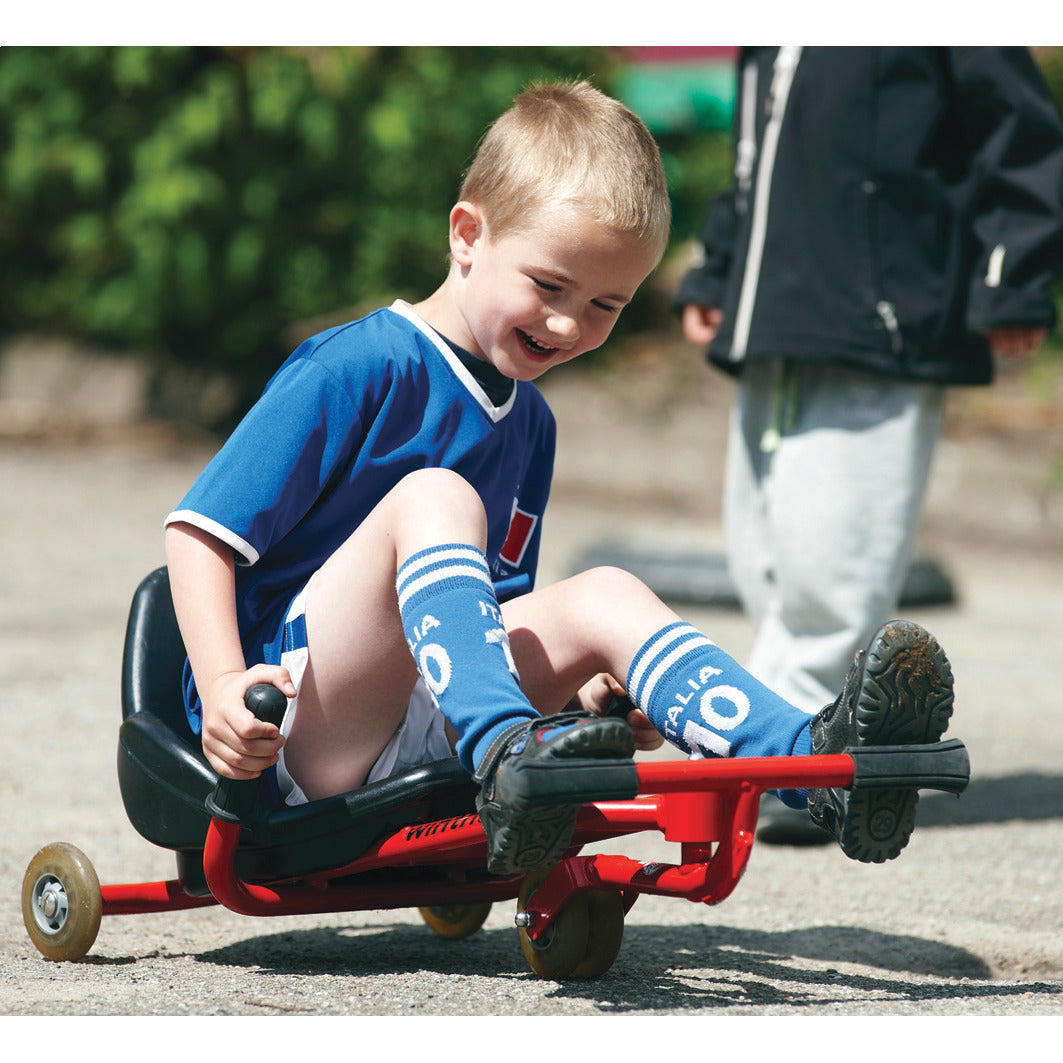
605	933
456	921
584	939
62	903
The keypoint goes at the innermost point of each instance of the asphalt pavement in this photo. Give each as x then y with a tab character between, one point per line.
967	922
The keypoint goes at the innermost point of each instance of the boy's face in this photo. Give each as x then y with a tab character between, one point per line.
532	299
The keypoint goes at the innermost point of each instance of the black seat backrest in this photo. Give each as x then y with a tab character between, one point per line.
154	657
165	779
162	773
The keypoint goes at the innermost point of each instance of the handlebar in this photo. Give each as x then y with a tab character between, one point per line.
233	800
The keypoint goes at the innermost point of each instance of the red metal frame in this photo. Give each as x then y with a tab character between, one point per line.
708	807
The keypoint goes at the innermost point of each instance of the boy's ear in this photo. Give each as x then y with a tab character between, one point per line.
466	228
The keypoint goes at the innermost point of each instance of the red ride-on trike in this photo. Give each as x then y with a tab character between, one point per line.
415	840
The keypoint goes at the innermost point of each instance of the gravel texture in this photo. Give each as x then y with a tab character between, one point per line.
967	922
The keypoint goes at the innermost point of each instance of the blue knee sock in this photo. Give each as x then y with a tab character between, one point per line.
454	629
705	703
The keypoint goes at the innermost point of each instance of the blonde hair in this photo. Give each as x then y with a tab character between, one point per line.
570	144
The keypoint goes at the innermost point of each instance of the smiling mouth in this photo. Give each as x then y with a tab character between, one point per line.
535	346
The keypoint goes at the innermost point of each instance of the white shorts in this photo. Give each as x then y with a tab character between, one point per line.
420	739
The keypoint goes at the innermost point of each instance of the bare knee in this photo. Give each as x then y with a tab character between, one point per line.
611	609
437	506
590	623
610	588
430	487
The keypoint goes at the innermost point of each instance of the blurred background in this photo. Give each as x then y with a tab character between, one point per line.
207	207
189	214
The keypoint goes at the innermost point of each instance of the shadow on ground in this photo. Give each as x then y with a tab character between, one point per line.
1027	796
660	967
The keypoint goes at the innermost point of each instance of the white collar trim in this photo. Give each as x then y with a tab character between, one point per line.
472	385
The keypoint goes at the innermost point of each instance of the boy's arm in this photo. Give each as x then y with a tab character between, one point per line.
202	582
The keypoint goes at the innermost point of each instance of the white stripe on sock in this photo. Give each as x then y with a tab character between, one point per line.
656	648
443	553
697	641
411	586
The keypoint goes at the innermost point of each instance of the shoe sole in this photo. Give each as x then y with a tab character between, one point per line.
537	838
905	699
537	833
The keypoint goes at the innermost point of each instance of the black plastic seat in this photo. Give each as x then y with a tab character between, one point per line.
165	780
162	773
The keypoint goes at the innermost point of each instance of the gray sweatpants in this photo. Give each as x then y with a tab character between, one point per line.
825	478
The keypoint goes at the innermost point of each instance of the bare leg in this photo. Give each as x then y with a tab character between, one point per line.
565	634
358	683
605	621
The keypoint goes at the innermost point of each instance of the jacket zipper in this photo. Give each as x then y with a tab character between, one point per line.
785	66
995	269
746	149
888	313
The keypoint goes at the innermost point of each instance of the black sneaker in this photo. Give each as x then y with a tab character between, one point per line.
536	775
898	692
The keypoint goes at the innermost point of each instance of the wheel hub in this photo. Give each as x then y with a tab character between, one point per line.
49	904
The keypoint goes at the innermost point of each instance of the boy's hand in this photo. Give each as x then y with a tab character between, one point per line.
646	736
237	745
596	696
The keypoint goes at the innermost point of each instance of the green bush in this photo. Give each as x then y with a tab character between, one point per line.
198	202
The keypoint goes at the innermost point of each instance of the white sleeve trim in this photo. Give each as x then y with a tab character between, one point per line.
246	554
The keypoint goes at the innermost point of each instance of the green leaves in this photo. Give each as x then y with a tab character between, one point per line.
200	202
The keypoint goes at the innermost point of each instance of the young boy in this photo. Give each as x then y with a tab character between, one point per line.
356	539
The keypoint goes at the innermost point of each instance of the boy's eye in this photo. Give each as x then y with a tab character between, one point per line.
546	286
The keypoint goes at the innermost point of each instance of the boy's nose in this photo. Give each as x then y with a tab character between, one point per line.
564	326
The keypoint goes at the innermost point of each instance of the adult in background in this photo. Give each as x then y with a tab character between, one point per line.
894	223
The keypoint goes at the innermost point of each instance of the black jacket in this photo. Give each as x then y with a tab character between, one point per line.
889	205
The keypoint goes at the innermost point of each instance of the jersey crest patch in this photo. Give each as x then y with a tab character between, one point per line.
521	527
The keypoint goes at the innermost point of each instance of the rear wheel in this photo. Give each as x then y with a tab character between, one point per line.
62	903
456	921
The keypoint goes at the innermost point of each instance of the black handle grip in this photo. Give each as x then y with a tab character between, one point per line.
234	799
267	703
619	706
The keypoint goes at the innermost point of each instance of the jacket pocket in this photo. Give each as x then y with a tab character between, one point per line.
874	314
913	251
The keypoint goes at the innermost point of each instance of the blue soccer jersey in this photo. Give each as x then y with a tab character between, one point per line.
348	415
